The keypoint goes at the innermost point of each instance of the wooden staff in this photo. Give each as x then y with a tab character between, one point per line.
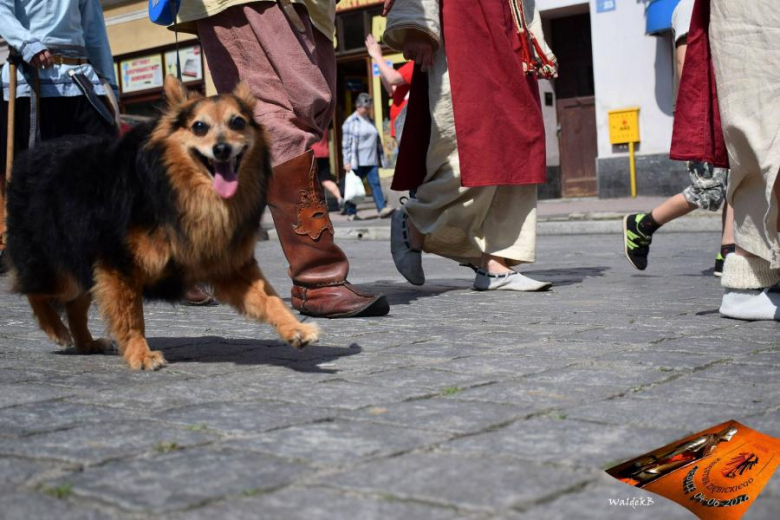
9	146
10	136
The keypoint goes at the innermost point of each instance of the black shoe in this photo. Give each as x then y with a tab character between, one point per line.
721	258
637	244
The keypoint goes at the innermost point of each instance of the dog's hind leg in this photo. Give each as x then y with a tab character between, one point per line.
120	302
252	295
49	320
78	316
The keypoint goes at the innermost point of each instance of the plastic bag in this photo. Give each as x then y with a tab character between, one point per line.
354	191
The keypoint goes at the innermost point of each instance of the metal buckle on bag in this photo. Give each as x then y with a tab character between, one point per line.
292	14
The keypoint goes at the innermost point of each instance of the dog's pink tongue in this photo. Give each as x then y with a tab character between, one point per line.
225	180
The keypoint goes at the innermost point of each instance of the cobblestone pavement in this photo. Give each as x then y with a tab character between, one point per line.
457	405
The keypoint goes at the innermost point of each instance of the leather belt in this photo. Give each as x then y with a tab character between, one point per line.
292	15
66	60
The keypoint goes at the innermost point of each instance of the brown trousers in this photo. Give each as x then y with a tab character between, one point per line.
292	74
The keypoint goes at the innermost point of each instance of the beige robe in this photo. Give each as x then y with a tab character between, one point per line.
460	223
746	57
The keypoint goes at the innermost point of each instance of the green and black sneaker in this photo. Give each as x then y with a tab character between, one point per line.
637	244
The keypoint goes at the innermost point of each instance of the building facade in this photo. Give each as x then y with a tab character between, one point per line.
608	61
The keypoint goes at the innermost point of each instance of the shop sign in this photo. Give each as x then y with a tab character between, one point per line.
603	6
346	5
142	73
191	63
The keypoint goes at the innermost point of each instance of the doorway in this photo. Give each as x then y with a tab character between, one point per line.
576	108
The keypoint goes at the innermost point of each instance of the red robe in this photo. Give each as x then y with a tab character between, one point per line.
498	116
698	134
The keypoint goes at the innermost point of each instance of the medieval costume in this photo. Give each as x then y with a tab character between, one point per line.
473	146
284	51
731	46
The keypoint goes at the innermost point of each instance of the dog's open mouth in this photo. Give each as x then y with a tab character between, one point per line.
224	174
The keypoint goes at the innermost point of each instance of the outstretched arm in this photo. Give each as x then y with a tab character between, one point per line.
391	78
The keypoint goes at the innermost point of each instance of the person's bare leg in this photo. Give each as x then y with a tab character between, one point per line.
672	208
332	189
681	49
728	225
416	239
494	264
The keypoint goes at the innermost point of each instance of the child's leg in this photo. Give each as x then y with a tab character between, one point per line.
672	208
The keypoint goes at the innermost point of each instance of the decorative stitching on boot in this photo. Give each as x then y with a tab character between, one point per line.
740	272
313	217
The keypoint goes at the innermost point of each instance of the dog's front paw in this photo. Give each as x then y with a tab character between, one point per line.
145	360
301	335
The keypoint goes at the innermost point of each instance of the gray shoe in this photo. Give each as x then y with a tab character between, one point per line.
751	304
386	212
513	281
408	261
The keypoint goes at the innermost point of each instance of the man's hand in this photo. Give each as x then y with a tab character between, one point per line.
419	48
373	48
387	7
347	167
42	60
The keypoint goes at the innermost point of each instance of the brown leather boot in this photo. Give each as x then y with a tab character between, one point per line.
318	267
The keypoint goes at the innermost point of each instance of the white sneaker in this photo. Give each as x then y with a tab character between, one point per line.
386	212
407	260
350	218
512	281
751	304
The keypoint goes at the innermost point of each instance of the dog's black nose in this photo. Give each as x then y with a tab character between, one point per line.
222	151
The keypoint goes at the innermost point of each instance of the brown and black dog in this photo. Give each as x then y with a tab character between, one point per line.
173	202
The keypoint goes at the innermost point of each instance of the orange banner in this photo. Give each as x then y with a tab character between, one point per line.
717	474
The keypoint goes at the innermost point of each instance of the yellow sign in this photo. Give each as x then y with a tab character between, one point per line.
624	126
378	24
346	5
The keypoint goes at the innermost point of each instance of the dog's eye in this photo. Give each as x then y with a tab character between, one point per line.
200	128
237	123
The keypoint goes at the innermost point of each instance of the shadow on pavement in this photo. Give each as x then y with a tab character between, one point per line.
562	277
214	349
402	293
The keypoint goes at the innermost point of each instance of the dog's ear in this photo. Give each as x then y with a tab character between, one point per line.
244	94
175	91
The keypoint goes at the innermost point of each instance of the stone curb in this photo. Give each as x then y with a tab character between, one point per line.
556	227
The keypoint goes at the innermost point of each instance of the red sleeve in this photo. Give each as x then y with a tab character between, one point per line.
406	71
